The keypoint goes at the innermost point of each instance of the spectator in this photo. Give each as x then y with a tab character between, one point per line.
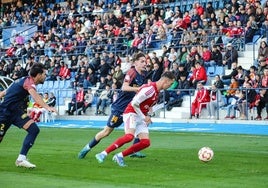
241	74
2	71
232	106
230	56
261	103
202	97
118	74
77	101
81	78
227	78
199	75
18	72
264	79
88	100
176	95
263	50
51	100
247	102
207	55
219	83
216	55
157	72
234	85
216	101
54	71
90	79
262	66
104	100
65	73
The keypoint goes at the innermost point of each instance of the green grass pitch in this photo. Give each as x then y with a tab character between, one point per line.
239	161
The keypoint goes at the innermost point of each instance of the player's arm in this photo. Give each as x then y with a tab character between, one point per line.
38	99
137	100
127	87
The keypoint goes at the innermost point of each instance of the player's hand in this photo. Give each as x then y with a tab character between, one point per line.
148	120
52	109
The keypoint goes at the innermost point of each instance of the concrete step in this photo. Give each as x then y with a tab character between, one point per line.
176	113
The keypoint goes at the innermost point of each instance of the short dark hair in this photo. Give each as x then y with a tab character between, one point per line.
37	68
138	56
169	75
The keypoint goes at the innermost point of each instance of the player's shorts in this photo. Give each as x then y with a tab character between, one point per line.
133	121
115	119
18	118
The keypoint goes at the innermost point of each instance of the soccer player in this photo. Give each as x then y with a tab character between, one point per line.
134	78
13	110
137	120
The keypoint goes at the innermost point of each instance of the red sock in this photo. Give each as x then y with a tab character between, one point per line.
142	144
119	142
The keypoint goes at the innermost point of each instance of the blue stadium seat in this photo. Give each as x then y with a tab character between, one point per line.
255	39
61	84
56	84
69	93
60	101
39	87
67	84
45	85
219	70
50	84
211	71
62	93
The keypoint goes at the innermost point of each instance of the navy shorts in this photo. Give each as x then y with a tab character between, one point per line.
18	118
115	119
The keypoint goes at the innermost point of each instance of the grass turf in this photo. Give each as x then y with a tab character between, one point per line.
239	161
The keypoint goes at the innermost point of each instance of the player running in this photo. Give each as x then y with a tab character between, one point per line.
137	120
13	110
134	78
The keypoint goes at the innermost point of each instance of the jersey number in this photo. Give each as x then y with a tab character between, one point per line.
2	127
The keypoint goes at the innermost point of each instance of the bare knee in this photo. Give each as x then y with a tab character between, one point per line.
104	133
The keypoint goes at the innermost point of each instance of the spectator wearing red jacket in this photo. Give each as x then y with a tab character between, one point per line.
199	75
65	73
202	97
206	56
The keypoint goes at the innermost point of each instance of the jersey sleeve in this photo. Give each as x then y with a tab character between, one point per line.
144	93
29	84
131	74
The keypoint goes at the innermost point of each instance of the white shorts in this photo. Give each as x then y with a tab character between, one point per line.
133	121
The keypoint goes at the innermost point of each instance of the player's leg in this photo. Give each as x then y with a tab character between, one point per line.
130	127
137	154
143	134
33	130
115	120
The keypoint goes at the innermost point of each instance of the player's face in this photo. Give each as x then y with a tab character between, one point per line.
140	64
42	77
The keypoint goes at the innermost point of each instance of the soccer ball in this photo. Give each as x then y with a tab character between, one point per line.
205	154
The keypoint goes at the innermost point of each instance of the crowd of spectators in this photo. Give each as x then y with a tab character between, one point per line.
88	42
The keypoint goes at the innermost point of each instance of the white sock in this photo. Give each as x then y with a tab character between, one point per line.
104	152
87	146
21	157
120	154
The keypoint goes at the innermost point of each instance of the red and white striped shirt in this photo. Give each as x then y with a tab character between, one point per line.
147	96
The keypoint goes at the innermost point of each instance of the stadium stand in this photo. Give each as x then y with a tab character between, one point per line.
81	33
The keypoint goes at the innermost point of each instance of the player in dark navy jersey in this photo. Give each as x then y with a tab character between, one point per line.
134	78
13	109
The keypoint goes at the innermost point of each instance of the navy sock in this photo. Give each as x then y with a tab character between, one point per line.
136	140
93	143
28	142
